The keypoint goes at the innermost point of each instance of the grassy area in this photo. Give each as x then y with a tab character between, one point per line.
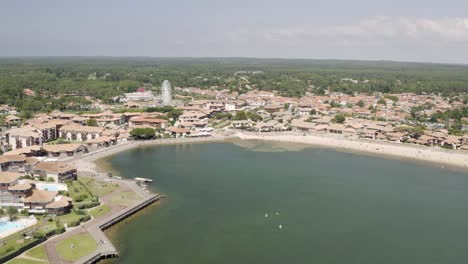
98	188
78	192
72	219
100	211
76	247
20	260
38	252
17	240
124	198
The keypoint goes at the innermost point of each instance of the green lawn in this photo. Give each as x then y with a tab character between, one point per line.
48	227
77	190
70	217
20	260
98	188
124	198
76	247
100	211
37	252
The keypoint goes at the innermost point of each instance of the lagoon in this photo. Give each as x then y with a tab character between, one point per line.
333	207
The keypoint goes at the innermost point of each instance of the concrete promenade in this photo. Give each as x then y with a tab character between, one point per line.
95	228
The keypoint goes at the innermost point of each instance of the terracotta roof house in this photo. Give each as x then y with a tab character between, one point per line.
23	137
14	163
58	150
38	200
178	132
8	179
156	123
80	133
59	171
61	205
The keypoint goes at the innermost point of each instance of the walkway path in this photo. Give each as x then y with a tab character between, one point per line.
93	227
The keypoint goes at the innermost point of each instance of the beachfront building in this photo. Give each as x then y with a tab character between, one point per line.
60	205
7	199
23	137
143	121
178	132
58	171
80	133
37	202
106	118
242	124
16	163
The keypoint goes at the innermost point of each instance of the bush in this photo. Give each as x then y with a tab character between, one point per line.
80	212
38	235
339	118
60	230
50	179
85	218
9	249
74	223
87	205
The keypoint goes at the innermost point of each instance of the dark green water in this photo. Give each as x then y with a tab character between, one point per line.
333	207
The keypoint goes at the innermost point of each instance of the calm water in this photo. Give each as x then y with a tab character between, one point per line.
333	207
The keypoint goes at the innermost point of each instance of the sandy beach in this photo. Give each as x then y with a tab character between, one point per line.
400	150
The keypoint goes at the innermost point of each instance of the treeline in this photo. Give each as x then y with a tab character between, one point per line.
64	83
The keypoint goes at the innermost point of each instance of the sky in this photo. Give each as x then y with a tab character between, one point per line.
399	30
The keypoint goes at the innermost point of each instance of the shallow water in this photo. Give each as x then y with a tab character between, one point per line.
333	207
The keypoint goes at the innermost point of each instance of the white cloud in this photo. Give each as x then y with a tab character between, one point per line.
373	31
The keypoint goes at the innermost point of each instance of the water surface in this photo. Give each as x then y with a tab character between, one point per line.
333	207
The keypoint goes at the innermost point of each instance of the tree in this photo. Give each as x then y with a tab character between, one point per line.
339	118
254	116
382	101
312	112
175	113
241	115
92	122
143	133
360	103
12	212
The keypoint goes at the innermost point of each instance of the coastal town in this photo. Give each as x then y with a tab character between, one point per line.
50	185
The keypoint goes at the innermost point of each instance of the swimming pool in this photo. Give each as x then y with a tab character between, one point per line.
5	226
51	187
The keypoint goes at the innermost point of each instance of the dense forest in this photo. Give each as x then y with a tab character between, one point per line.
63	82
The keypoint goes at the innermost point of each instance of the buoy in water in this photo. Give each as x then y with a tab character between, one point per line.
276	213
280	226
266	215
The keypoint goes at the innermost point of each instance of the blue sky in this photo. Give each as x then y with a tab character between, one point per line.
404	30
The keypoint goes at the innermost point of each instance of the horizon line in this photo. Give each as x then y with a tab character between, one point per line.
226	57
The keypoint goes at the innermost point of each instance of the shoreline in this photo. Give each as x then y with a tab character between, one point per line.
432	155
89	162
